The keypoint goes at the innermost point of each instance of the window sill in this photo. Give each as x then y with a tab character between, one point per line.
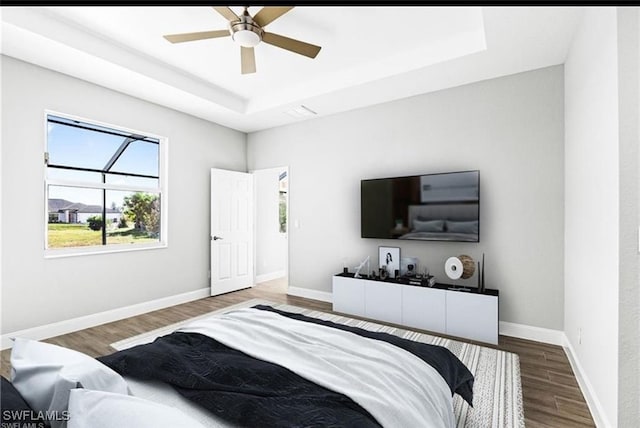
55	253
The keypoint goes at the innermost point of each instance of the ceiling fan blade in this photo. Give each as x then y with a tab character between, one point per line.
269	14
227	13
188	37
248	60
292	45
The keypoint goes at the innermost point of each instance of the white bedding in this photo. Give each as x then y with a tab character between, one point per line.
162	393
395	386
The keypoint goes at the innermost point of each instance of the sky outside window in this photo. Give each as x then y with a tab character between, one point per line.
77	147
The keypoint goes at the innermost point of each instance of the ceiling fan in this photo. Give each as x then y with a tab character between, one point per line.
248	32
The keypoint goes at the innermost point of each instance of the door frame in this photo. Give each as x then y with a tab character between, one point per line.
255	219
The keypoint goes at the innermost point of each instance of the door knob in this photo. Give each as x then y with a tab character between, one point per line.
215	238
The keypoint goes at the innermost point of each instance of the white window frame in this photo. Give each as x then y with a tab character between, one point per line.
161	190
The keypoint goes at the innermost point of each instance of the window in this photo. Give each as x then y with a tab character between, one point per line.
104	187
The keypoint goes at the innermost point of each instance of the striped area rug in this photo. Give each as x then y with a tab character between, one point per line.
497	394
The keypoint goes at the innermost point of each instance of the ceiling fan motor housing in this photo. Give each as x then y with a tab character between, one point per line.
245	32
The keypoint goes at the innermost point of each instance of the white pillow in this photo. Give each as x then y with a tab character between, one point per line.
97	409
44	374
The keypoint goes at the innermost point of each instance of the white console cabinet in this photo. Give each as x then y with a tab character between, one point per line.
348	295
465	314
424	308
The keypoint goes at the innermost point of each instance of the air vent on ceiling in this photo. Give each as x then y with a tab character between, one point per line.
300	111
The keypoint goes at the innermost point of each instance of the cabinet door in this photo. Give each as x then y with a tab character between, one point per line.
472	316
383	301
424	308
348	295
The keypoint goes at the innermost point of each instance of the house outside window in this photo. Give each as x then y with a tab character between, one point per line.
105	187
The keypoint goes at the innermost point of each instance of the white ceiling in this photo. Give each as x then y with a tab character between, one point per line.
369	55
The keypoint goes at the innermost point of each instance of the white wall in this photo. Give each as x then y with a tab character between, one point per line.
629	294
1	197
38	291
271	245
601	210
510	128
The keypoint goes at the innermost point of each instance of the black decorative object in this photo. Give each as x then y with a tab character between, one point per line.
482	276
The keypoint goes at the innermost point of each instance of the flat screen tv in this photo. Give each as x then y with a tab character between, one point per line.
429	207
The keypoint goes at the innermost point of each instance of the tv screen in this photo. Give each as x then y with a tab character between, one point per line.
430	207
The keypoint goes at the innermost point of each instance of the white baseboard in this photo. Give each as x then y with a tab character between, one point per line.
80	323
590	397
269	276
323	296
521	331
557	337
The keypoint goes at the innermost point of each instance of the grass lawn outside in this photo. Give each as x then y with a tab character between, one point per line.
62	235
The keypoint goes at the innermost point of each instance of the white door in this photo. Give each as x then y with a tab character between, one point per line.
231	231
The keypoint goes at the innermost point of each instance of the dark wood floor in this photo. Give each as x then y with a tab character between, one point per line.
551	394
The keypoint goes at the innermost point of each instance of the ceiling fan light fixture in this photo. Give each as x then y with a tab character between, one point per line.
246	38
245	32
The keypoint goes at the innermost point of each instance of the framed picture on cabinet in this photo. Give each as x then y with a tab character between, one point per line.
389	260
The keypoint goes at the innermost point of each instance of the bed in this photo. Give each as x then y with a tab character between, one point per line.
275	365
